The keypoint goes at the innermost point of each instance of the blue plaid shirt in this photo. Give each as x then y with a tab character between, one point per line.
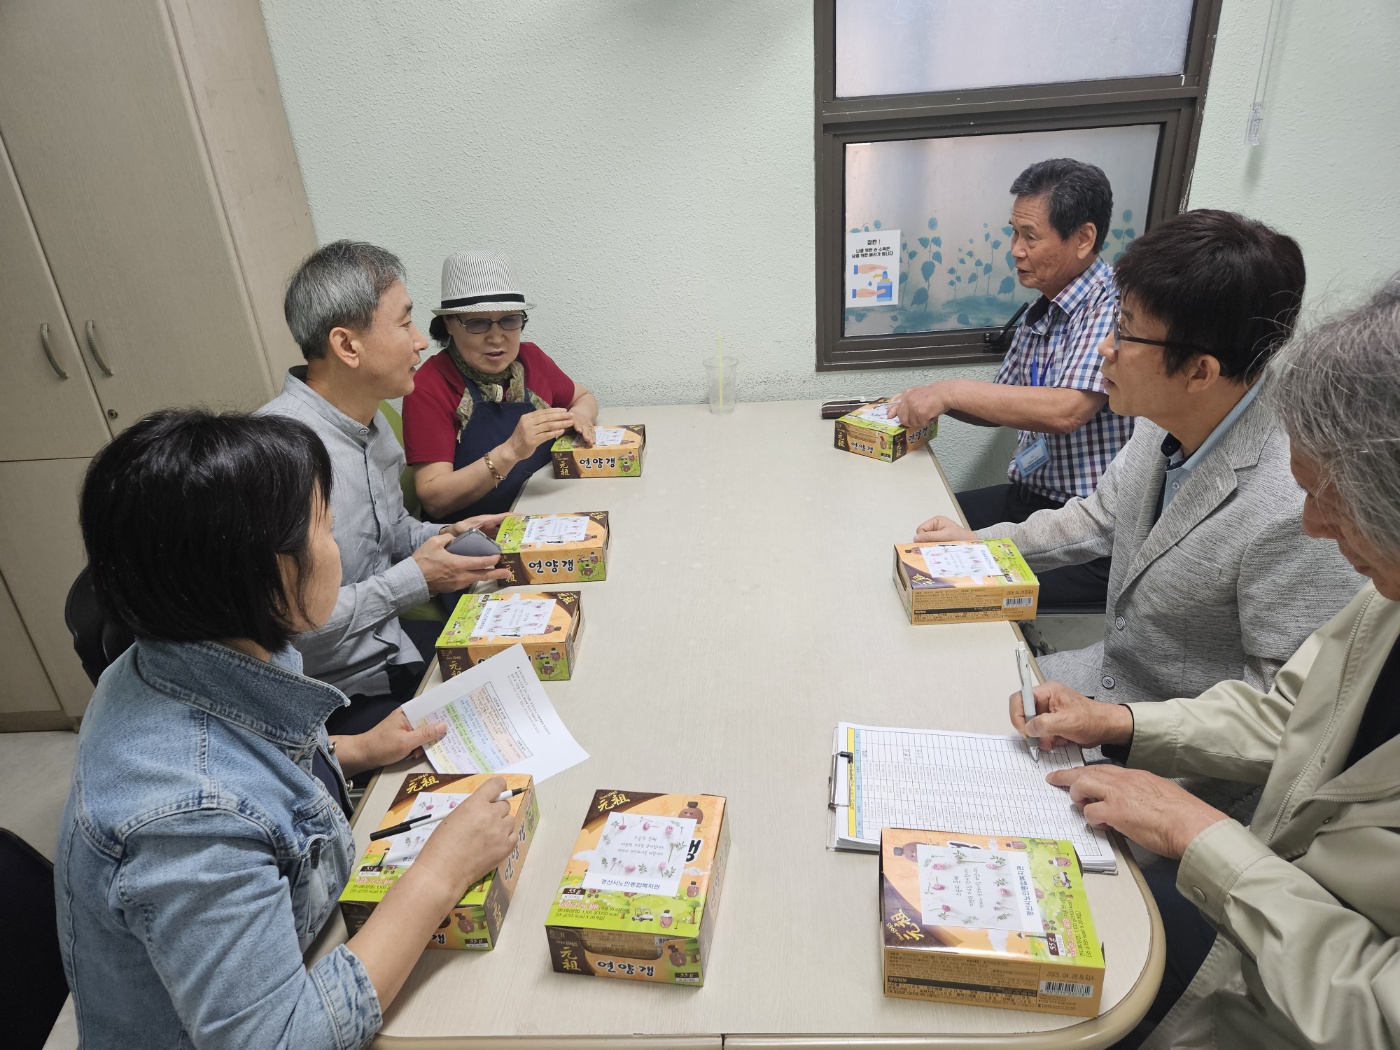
1056	346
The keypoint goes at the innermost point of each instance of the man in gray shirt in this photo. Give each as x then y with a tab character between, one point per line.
349	311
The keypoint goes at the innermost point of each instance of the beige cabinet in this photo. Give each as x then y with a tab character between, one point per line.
28	701
151	210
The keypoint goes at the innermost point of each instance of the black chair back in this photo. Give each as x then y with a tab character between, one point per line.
98	639
31	968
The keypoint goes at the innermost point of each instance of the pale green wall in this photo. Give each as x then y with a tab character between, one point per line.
648	165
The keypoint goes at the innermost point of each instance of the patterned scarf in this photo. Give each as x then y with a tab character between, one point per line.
513	390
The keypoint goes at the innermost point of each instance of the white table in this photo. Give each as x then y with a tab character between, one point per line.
748	608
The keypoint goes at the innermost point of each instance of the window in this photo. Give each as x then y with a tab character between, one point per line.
928	109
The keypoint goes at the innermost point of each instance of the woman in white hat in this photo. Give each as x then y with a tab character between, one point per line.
484	412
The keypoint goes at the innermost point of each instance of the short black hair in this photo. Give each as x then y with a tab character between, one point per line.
1222	284
337	286
1075	193
184	514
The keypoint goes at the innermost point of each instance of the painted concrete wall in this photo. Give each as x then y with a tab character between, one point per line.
643	161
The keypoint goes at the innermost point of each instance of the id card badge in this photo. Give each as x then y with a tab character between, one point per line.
1035	456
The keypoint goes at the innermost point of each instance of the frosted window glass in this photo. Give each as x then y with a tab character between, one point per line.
895	47
949	199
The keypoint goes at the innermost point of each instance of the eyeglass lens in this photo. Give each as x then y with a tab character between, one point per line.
482	325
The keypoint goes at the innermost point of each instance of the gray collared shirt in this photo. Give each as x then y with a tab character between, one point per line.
377	537
1179	467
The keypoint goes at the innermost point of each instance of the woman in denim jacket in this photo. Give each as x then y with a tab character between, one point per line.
199	856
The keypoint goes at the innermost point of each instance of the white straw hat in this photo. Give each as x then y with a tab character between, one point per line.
478	282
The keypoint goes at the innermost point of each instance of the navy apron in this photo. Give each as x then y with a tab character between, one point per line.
492	424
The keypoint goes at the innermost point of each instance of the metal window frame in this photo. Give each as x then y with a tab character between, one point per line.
1175	102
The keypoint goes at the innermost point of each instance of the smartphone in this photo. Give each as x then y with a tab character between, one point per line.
473	544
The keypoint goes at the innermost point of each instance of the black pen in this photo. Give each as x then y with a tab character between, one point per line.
431	818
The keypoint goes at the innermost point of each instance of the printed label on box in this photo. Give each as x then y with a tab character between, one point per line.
879	413
405	846
983	889
554	529
514	618
960	559
641	854
608	437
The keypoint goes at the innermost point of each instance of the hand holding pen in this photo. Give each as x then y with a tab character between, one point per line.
1023	665
1059	715
431	818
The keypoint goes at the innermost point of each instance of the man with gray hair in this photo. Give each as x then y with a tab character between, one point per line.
351	315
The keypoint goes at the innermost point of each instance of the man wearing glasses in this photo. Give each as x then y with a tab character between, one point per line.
1213	578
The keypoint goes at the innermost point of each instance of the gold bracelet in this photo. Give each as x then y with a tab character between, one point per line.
492	468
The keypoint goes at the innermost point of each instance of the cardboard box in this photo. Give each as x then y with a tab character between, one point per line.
867	432
555	548
638	898
475	923
620	456
987	921
964	581
483	625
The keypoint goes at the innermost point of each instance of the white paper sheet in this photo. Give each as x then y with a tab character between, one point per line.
514	618
973	783
607	437
960	559
499	720
640	854
978	889
553	529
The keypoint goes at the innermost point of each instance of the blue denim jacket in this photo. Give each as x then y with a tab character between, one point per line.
199	857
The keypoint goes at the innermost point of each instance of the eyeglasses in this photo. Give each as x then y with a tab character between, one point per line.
1119	339
482	325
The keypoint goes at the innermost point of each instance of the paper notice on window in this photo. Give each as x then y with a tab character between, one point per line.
960	559
406	845
640	854
553	529
499	720
514	618
872	268
607	437
977	889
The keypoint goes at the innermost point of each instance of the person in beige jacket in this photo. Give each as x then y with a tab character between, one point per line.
1305	899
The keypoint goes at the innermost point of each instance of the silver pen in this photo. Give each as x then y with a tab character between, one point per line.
1023	664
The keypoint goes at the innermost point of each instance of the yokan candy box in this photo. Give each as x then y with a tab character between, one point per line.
475	923
987	921
639	894
546	624
964	580
554	548
869	431
616	452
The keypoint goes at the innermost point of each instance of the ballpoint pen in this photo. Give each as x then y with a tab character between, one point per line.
430	818
1023	664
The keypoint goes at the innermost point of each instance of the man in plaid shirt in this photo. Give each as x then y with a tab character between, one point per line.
1049	387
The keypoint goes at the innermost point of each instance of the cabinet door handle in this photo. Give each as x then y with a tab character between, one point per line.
48	351
92	348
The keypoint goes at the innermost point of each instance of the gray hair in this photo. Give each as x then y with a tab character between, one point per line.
1336	389
337	286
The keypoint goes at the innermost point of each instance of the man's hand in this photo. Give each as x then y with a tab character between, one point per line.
389	741
1064	716
535	428
939	529
1151	810
474	838
487	523
445	572
919	404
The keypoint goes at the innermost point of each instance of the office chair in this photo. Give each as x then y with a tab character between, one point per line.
31	968
98	639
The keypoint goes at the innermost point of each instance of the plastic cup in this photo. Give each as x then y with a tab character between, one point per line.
719	381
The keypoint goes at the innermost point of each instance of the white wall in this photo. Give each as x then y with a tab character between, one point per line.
648	165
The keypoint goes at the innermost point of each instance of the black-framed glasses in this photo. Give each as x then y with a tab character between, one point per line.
1119	339
482	325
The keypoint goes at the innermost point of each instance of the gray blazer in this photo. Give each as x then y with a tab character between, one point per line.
1223	586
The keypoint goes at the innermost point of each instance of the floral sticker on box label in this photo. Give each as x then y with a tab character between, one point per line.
985	889
951	560
553	529
608	437
514	618
641	854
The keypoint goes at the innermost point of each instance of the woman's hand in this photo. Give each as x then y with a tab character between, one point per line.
490	524
583	424
1151	810
1064	716
389	741
939	529
535	428
474	838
